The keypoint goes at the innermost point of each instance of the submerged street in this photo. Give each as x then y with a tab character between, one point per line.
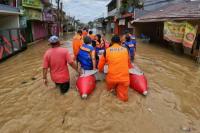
172	105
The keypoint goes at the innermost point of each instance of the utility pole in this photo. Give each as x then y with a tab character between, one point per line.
61	17
58	14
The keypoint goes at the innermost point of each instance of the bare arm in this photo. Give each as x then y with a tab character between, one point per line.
93	60
101	64
45	70
74	66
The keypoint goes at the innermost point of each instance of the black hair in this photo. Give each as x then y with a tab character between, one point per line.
99	38
55	44
90	32
87	40
115	39
128	38
79	31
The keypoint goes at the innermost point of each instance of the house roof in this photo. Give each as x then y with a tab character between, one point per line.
180	11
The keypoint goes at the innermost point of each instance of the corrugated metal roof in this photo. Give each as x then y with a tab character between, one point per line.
179	11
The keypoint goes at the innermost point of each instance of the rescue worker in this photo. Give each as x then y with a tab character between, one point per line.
85	32
99	47
117	59
56	59
77	43
91	35
86	55
130	44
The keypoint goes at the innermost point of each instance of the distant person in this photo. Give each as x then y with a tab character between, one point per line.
130	44
85	32
99	47
117	59
77	43
86	55
56	59
107	44
91	35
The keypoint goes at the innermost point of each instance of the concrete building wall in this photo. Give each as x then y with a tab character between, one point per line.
118	4
8	22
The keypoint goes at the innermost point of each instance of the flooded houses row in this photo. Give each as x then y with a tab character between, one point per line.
173	23
26	21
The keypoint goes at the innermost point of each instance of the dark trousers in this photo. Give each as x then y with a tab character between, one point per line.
64	87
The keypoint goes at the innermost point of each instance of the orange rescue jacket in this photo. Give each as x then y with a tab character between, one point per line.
77	43
118	62
92	36
85	33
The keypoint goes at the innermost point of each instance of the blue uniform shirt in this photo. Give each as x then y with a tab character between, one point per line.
84	57
131	45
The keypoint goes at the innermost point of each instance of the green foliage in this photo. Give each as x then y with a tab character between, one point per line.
133	3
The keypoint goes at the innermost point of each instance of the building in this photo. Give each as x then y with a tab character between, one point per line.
120	14
152	24
112	11
35	27
12	38
98	25
151	5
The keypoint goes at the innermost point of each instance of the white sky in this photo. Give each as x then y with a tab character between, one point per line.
85	10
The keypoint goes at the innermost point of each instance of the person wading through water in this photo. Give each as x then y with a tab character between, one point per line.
77	42
86	55
131	46
99	47
117	59
56	59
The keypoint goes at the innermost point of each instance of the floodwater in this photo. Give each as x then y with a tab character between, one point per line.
172	105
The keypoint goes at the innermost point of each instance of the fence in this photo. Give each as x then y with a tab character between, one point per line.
12	41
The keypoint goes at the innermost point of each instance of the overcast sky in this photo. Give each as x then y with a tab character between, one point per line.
85	10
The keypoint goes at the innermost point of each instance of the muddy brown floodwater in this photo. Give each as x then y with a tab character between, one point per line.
172	105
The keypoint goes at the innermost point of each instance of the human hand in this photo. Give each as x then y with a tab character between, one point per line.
45	81
80	72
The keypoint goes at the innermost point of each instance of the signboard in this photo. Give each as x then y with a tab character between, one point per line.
33	14
23	22
32	3
174	31
190	35
180	32
122	22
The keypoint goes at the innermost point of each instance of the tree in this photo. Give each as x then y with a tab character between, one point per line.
90	24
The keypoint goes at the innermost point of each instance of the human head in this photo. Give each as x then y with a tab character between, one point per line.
98	37
79	32
90	32
128	38
87	40
54	41
116	39
133	37
126	32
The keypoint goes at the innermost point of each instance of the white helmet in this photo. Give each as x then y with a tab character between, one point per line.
53	39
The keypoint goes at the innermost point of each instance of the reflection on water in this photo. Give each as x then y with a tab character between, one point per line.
173	101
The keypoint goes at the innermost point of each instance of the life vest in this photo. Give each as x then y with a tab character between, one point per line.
92	36
85	33
77	43
100	46
99	49
130	46
84	57
116	57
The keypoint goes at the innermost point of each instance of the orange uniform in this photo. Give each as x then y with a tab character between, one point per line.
92	36
85	33
77	43
117	59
